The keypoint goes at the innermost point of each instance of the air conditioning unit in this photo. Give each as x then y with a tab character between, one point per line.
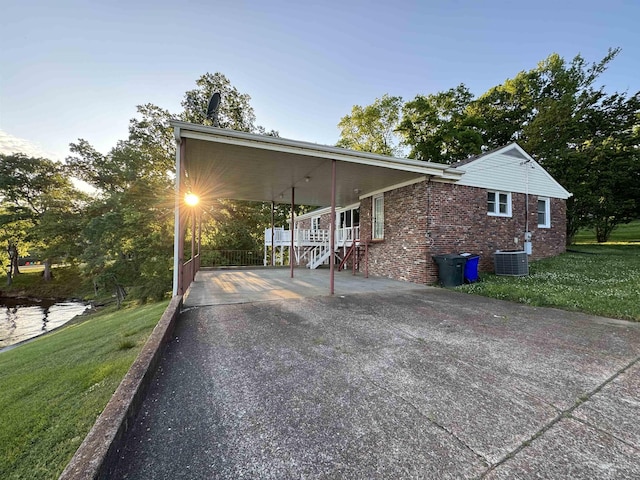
511	262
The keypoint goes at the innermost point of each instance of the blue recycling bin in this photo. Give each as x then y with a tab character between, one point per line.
471	268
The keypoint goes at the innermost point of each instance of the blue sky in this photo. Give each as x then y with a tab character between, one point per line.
77	69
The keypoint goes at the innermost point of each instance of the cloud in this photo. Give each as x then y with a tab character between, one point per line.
10	144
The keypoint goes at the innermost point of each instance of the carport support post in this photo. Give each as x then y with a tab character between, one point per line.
178	235
332	240
193	245
273	220
293	193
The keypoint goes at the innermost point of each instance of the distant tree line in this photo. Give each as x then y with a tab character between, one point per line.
586	138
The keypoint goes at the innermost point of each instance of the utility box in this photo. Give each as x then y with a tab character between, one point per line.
511	262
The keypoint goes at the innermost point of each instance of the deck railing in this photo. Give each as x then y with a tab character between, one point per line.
308	237
240	258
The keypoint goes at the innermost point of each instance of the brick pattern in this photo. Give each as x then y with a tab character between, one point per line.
433	218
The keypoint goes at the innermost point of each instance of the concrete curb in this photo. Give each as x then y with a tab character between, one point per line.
98	454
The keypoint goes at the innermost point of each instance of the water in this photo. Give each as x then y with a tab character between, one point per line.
22	319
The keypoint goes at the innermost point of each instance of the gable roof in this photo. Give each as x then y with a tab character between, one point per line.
510	169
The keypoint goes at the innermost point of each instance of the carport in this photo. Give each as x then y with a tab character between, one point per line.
212	162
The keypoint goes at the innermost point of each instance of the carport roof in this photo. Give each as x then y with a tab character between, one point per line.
225	163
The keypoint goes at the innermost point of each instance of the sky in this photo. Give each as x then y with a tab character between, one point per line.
78	69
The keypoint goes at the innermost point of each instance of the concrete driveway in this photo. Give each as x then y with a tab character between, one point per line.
424	383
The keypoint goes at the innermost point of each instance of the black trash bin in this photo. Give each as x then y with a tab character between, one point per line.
450	269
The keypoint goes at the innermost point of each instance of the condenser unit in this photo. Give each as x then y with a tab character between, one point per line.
511	262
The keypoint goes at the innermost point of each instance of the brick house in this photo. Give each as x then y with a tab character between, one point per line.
501	196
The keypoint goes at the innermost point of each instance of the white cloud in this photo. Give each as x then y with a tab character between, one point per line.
10	144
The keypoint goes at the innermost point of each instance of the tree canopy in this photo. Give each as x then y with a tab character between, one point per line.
586	138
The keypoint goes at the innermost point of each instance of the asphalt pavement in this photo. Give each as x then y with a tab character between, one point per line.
424	383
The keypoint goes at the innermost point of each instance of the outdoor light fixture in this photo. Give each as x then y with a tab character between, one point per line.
356	191
306	179
191	199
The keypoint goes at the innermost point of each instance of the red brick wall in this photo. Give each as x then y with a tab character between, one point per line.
432	218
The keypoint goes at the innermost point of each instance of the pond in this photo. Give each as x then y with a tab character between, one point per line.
22	319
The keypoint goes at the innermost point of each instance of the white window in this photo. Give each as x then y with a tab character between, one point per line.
378	217
315	223
544	213
499	204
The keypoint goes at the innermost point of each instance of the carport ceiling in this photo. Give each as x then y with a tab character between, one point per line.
222	163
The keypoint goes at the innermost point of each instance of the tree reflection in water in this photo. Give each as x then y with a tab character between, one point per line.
22	319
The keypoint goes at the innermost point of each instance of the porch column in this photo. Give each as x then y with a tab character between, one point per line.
291	254
332	229
178	233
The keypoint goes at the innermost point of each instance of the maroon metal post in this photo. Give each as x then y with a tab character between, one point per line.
273	220
291	255
193	244
332	230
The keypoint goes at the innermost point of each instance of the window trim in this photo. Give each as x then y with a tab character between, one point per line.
315	222
547	212
374	223
496	212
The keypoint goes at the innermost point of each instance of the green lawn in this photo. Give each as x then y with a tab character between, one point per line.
596	279
54	388
629	232
67	282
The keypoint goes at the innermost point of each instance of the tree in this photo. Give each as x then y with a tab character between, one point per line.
440	128
36	190
235	112
372	128
580	134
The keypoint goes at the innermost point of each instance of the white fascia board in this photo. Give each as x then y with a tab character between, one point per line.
324	210
264	142
314	213
393	187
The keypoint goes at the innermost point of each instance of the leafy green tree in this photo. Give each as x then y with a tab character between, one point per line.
440	128
235	112
128	239
373	128
36	190
579	133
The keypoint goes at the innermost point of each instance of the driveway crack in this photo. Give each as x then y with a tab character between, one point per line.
567	413
432	421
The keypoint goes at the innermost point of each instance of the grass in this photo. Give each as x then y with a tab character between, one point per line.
66	283
54	388
626	233
597	279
